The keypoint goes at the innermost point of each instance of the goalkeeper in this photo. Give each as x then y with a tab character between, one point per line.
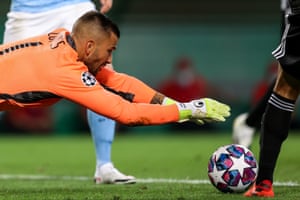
41	70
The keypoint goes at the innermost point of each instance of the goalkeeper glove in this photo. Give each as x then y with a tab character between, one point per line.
201	111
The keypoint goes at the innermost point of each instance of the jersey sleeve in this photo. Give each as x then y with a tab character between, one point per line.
141	92
81	87
115	107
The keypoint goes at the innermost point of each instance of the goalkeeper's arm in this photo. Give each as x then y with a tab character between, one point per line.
201	110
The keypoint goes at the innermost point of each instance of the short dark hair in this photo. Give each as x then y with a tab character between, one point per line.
97	18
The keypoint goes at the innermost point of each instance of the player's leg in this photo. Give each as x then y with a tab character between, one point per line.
245	124
277	118
103	130
275	127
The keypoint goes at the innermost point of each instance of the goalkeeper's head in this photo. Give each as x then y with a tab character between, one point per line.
95	37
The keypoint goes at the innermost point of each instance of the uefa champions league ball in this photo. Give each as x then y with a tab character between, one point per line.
232	168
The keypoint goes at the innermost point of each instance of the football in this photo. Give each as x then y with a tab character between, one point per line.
232	168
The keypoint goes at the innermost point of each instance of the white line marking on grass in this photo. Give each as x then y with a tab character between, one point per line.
146	180
289	183
164	180
42	177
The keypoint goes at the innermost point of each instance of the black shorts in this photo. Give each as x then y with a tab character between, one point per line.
288	52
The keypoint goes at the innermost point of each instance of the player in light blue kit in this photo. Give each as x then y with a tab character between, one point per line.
28	18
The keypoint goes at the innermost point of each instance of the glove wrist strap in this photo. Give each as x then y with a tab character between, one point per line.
168	101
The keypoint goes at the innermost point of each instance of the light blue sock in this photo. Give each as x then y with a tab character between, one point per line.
102	131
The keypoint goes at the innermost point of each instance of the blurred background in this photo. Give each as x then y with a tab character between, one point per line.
226	45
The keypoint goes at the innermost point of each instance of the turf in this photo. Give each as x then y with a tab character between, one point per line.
63	167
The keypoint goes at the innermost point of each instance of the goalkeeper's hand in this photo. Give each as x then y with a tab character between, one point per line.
201	111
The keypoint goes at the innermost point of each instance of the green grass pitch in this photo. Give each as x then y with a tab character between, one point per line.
168	167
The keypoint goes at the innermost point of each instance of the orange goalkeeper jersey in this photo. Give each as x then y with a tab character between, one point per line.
41	70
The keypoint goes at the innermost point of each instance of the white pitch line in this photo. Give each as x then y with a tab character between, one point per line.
164	180
146	180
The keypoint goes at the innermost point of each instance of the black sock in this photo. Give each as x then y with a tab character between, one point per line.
255	115
274	130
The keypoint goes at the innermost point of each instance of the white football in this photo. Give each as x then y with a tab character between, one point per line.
232	168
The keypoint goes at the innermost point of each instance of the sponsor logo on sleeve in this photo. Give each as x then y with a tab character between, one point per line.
88	79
